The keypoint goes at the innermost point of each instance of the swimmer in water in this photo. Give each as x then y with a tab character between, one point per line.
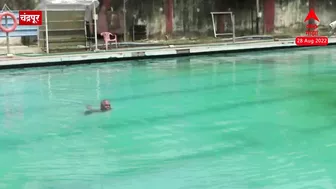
104	107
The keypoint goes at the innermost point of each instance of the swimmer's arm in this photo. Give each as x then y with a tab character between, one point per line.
96	110
90	110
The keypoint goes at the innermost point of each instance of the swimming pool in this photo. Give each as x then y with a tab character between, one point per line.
258	120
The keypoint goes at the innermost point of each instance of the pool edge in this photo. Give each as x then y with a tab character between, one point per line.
67	60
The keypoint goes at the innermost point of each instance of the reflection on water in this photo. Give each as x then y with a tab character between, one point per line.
243	121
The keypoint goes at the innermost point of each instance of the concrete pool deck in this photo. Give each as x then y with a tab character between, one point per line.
37	60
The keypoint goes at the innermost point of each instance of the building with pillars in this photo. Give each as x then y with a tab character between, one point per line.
192	17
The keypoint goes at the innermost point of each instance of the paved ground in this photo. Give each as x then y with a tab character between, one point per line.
20	49
17	49
156	47
30	60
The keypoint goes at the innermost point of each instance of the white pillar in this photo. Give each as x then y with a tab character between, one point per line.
95	18
46	28
213	25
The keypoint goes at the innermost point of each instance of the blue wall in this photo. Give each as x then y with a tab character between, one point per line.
20	30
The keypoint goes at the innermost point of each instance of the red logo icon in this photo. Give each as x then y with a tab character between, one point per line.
311	15
312	27
30	17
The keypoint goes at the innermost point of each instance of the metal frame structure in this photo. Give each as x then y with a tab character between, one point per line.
214	22
80	6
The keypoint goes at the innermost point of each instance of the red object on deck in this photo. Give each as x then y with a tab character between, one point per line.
269	15
109	38
169	12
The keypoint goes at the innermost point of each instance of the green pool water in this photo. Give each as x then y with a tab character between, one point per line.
247	121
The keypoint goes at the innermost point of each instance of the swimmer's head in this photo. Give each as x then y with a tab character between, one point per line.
105	105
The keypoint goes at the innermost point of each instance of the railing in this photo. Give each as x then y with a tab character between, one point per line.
62	31
215	22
